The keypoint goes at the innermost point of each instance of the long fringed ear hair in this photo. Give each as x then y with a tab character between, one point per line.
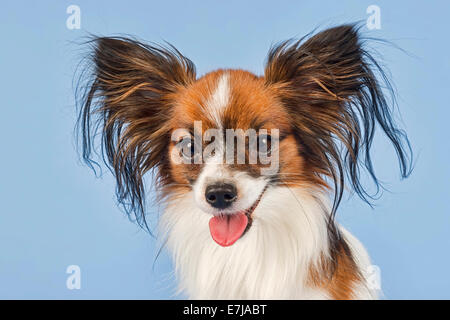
333	90
126	102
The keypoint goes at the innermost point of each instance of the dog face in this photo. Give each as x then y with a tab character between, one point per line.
230	136
236	114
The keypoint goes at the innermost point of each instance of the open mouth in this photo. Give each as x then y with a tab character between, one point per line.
227	229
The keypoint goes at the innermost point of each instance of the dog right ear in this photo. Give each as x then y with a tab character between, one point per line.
335	93
127	102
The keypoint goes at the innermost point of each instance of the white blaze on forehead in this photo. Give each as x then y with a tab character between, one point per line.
219	99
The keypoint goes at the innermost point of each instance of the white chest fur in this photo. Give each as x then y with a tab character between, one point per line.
271	261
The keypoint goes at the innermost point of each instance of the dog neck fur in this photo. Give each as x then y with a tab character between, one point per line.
272	260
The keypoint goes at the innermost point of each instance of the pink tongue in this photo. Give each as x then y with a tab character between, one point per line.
225	230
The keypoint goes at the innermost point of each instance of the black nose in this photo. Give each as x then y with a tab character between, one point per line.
220	196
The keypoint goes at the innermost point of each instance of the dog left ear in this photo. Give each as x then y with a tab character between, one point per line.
329	86
127	103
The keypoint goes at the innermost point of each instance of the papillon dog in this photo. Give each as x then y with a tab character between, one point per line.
249	169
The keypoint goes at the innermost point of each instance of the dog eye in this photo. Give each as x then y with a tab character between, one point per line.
264	144
187	148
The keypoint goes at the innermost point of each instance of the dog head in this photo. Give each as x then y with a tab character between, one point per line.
227	138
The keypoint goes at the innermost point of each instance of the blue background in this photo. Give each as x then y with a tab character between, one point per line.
55	213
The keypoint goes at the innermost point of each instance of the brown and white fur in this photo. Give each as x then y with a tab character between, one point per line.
324	97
